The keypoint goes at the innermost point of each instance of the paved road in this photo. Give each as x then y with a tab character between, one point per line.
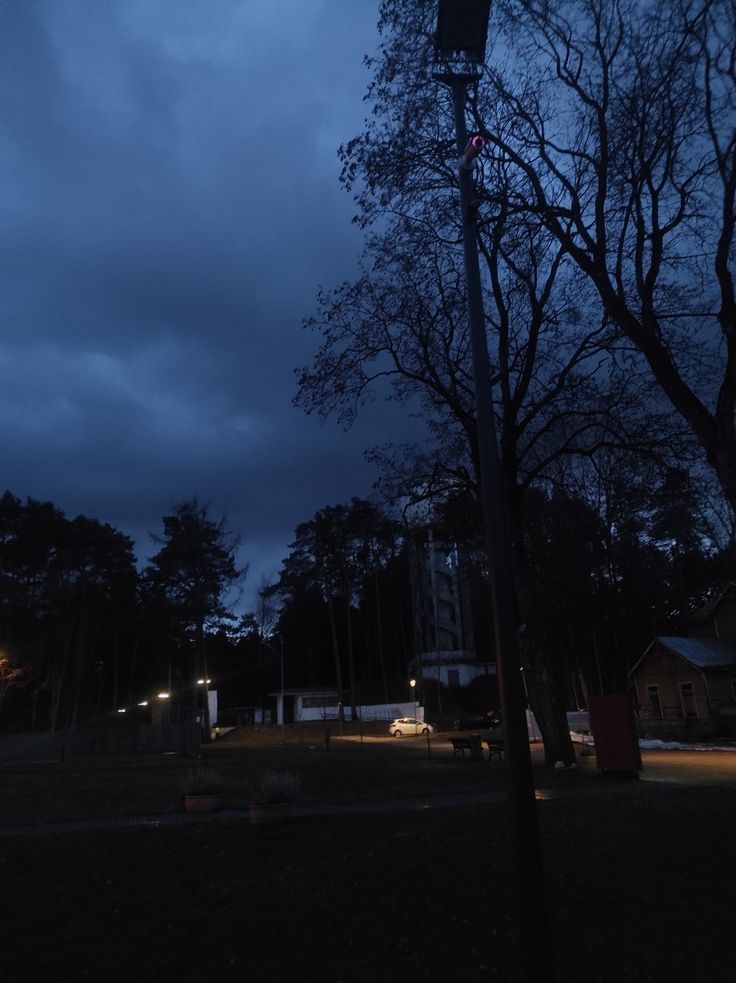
690	767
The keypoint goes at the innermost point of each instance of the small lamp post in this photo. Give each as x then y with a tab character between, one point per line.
164	697
462	30
413	685
203	700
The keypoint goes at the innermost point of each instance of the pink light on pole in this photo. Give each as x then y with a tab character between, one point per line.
474	147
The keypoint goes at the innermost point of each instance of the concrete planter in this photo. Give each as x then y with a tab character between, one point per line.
202	802
270	812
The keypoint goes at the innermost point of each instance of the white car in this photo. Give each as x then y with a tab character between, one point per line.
409	726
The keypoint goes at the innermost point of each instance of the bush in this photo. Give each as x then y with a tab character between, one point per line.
202	781
278	786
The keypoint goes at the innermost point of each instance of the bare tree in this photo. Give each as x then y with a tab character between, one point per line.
619	120
400	328
599	233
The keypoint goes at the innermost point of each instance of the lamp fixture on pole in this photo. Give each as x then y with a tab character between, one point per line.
462	30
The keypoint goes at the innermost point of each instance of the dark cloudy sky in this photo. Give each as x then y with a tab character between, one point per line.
169	201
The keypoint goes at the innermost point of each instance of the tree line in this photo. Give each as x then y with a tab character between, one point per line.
83	632
614	558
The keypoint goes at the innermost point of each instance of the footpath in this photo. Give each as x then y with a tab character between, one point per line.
423	803
410	804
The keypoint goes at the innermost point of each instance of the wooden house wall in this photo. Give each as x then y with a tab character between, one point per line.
667	671
720	685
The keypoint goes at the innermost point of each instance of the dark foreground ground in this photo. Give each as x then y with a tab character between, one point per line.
640	875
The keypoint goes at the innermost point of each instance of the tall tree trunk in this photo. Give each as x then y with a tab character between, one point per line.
84	648
115	667
435	619
336	654
205	685
402	636
379	637
57	681
584	687
549	712
131	668
351	657
83	654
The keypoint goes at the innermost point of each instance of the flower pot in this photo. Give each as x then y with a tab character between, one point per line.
270	812
201	801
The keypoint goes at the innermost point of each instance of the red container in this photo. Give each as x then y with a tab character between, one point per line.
614	732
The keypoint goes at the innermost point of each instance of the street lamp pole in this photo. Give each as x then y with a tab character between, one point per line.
461	30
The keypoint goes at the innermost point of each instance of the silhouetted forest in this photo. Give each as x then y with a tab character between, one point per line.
85	632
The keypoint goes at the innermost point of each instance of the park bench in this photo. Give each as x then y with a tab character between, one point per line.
459	745
495	750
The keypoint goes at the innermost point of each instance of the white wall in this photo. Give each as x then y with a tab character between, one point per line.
374	711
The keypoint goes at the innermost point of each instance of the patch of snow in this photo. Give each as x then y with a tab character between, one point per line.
655	745
650	744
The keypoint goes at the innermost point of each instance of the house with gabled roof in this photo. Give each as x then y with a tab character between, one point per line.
686	685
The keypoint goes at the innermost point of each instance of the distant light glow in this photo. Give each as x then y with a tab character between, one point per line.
163	696
200	682
143	703
121	709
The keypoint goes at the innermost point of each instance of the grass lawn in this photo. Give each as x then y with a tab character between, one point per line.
640	878
101	786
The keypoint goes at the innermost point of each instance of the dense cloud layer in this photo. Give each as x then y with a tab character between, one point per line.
169	202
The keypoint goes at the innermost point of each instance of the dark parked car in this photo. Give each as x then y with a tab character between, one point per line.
486	721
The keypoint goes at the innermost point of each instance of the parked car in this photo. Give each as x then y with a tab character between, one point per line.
486	721
409	726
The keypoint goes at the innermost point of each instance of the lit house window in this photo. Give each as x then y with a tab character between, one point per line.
687	698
